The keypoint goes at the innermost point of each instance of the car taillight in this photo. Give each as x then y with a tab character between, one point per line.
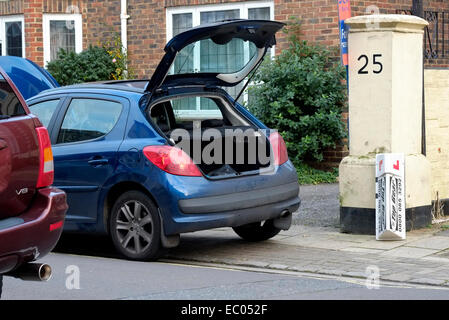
46	171
279	149
56	225
172	160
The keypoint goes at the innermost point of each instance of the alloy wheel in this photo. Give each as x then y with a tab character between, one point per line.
134	227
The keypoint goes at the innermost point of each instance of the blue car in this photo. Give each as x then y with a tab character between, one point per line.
147	160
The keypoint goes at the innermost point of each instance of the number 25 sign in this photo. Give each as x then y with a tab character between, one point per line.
373	65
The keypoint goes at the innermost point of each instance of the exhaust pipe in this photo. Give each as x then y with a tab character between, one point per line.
284	221
285	213
32	272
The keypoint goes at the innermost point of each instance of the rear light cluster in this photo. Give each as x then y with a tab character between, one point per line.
46	171
172	160
56	225
279	148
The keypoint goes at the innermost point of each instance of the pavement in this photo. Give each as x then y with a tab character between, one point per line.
315	245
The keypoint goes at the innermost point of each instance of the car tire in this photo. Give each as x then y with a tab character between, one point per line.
135	227
258	231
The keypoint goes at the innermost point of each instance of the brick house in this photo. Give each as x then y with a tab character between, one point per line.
37	29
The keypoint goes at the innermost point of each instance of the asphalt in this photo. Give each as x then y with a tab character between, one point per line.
111	278
319	206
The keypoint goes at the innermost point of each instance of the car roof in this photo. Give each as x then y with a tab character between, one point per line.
111	87
131	86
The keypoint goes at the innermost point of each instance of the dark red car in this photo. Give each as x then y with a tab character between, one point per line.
31	211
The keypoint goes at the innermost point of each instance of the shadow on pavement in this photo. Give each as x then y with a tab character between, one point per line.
205	242
87	245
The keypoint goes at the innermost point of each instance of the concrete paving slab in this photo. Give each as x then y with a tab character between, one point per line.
436	259
433	270
351	237
435	242
317	243
362	250
409	252
443	254
381	245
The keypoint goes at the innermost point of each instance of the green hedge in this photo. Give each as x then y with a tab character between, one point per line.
93	64
97	63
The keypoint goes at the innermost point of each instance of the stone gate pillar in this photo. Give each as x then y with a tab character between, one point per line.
385	116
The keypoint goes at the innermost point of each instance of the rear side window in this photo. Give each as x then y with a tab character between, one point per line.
196	108
10	105
45	110
88	119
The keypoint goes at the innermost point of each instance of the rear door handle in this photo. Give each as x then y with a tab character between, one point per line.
98	162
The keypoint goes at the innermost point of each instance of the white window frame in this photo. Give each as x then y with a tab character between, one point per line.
76	17
3	21
196	11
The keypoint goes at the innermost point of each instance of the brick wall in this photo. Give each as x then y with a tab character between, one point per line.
146	35
101	20
34	45
147	29
11	7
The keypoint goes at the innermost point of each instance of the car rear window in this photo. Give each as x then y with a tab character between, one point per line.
45	110
10	105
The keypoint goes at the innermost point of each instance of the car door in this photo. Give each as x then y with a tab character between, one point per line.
86	137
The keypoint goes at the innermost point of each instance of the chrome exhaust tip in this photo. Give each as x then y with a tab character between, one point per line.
32	272
285	213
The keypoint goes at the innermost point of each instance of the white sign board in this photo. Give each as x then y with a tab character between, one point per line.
390	200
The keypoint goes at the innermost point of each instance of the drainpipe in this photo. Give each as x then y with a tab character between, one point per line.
418	10
124	25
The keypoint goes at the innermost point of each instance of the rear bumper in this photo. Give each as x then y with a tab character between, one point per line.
234	218
241	200
34	233
235	209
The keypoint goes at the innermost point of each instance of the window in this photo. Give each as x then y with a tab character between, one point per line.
61	31
207	56
45	110
12	38
88	119
168	117
182	108
10	105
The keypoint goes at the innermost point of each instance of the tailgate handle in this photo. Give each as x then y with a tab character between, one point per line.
98	161
3	144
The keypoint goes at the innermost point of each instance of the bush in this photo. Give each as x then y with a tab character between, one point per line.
97	63
301	93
